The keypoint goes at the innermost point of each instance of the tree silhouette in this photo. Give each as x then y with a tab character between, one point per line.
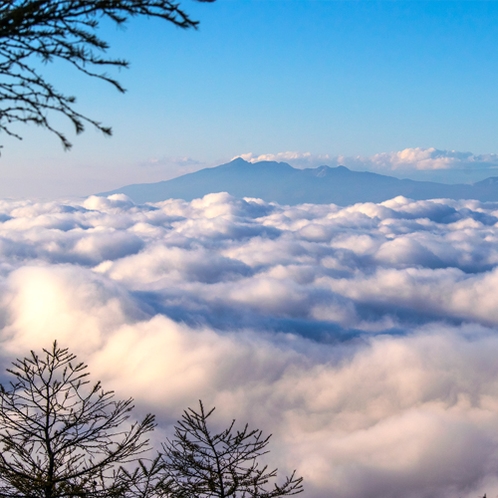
62	437
62	30
201	464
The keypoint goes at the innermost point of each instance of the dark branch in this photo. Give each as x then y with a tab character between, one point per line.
202	464
62	30
61	437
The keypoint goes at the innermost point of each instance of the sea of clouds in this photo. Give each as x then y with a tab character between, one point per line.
364	338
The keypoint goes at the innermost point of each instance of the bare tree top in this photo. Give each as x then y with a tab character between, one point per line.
61	436
201	463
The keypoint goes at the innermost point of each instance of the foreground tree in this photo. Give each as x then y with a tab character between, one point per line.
65	30
62	437
200	464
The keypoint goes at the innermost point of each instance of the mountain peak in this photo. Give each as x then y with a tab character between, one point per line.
238	160
279	182
324	170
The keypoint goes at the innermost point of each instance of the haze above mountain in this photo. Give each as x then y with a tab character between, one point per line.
280	182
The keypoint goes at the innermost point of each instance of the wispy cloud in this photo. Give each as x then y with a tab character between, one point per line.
421	159
182	161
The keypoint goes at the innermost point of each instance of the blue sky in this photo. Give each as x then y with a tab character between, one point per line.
329	78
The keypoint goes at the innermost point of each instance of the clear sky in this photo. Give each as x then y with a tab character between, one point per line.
329	78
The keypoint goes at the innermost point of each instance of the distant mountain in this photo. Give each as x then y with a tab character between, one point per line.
280	182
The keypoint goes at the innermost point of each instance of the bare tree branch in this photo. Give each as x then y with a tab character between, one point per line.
65	30
62	437
202	464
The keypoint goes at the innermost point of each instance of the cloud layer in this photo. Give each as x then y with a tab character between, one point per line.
364	338
447	166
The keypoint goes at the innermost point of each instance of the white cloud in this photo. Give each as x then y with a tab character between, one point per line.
420	159
364	338
417	163
296	159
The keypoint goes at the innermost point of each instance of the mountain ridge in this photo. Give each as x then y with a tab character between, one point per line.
280	182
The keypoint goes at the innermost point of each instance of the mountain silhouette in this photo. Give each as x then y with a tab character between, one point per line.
280	182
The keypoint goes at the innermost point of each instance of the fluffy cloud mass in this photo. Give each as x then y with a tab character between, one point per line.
364	338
